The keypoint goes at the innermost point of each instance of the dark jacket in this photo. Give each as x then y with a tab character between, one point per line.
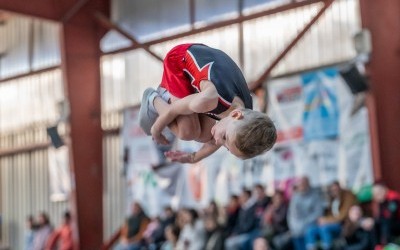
261	205
134	227
390	208
215	240
158	235
247	220
356	237
277	218
232	215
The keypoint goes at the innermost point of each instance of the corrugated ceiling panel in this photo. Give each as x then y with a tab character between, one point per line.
28	44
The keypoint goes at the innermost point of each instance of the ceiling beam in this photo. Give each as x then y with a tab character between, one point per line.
220	24
37	8
108	24
27	74
264	76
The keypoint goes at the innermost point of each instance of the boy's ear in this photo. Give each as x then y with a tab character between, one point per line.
237	114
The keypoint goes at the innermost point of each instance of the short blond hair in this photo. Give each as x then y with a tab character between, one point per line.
256	133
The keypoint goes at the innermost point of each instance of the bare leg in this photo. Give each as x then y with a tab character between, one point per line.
206	124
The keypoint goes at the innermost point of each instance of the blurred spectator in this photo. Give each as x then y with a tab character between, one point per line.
133	229
214	211
29	234
329	227
63	236
357	231
262	200
43	232
246	224
214	234
180	219
305	208
192	236
274	222
386	208
153	226
172	235
232	213
167	218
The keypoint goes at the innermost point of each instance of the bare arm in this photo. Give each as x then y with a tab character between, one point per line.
201	102
207	149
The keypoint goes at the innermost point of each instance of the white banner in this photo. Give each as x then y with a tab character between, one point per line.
355	153
140	154
59	173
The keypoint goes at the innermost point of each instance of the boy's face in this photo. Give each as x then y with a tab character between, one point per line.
224	132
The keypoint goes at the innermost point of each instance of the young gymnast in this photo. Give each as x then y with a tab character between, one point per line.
203	96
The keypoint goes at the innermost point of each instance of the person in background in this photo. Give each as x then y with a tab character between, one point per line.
329	227
232	213
180	221
262	200
305	207
358	231
274	223
171	234
43	232
133	229
29	234
213	210
192	236
166	219
154	225
63	235
246	225
214	234
386	208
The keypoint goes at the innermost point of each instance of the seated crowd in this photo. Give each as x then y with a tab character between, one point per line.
40	234
309	219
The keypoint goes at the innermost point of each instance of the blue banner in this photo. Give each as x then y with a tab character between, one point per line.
321	109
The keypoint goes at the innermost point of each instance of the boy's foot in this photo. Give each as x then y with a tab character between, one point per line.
147	113
164	94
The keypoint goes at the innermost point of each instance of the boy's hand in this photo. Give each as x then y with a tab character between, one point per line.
157	135
162	121
179	156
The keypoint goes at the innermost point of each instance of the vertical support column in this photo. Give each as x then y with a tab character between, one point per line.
81	67
382	19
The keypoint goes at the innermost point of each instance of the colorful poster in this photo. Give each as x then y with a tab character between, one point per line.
321	109
335	145
286	108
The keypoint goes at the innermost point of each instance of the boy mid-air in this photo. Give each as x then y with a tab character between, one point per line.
203	96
